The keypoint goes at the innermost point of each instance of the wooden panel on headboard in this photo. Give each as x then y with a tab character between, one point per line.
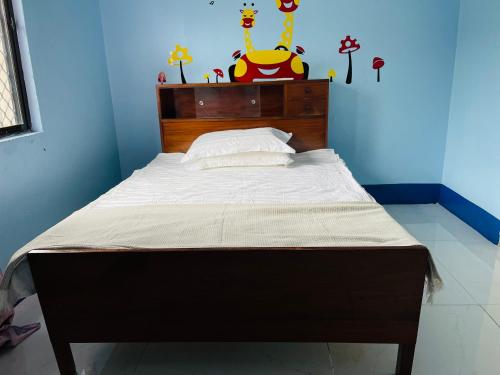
298	107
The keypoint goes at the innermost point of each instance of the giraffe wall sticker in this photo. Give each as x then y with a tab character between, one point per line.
279	63
289	8
248	23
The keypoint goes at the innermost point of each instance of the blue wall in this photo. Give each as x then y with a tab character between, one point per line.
95	65
472	165
392	132
46	176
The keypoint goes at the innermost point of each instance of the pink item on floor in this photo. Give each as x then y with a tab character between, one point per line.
11	335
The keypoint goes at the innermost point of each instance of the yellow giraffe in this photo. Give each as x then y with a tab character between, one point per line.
248	22
288	7
278	63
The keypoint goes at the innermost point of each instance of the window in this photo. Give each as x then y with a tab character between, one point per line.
14	113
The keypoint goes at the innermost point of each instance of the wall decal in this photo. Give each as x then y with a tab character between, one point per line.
162	78
378	63
206	77
218	73
288	7
237	55
280	63
179	57
348	46
332	74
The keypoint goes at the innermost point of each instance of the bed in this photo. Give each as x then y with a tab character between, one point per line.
271	254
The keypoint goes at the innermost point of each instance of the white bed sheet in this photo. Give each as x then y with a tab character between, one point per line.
318	176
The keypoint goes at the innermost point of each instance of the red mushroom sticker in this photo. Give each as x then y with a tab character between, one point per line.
162	78
218	73
348	46
237	55
378	63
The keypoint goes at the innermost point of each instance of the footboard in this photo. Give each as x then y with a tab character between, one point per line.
365	295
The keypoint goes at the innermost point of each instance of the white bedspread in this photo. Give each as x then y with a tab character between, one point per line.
336	225
314	202
315	177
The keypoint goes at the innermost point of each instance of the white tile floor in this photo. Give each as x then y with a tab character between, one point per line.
459	334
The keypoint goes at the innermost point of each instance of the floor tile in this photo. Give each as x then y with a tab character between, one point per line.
486	252
421	213
457	340
124	359
462	232
366	359
453	340
436	212
433	222
429	232
480	280
405	214
239	358
452	293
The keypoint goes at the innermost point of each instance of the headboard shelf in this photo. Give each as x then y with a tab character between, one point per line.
229	119
234	84
187	111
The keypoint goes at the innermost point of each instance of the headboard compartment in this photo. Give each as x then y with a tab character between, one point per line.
298	107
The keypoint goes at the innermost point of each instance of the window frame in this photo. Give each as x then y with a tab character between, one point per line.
19	74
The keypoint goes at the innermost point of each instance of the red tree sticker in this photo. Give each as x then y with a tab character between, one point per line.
348	46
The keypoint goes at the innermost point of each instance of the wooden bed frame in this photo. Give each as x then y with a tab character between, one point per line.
355	295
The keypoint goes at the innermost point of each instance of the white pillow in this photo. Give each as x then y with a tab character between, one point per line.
247	159
232	142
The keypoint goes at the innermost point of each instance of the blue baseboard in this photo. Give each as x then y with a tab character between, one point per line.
405	193
479	219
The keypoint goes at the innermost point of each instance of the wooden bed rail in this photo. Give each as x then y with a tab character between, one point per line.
365	295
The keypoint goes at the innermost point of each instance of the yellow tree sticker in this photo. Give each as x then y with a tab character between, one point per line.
179	57
332	74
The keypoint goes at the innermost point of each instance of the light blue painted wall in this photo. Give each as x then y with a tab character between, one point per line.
472	164
392	132
44	177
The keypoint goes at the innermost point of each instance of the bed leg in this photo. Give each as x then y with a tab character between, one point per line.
64	357
405	359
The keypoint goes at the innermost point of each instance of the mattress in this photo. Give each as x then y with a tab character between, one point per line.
318	176
315	202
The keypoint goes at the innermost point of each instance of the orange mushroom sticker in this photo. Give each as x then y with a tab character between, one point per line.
218	73
378	63
348	46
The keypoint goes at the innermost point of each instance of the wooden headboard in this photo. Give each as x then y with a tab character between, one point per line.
298	107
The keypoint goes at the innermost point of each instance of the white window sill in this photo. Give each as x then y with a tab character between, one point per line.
18	136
